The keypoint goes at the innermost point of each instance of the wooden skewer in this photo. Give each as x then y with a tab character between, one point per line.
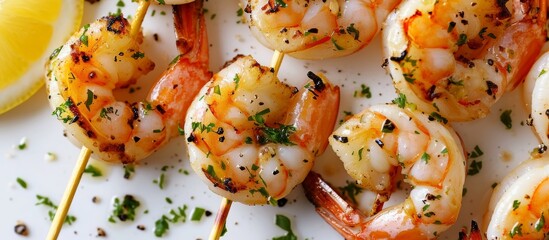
68	195
223	212
85	153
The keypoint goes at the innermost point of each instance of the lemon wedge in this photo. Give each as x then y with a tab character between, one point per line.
30	31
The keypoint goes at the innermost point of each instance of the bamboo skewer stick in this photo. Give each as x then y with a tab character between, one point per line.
85	153
68	195
223	211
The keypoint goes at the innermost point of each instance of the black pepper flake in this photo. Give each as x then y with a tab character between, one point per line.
21	229
281	202
385	63
95	199
242	168
136	139
492	88
160	109
313	30
431	95
319	84
191	138
141	227
155	36
286	41
91	75
340	139
222	138
547	113
542	148
101	232
490	62
207	213
219	131
401	57
379	143
275	172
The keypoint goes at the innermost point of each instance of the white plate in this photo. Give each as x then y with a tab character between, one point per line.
503	149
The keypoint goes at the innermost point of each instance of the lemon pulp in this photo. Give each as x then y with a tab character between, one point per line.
29	31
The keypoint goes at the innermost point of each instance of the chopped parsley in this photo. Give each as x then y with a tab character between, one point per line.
269	134
160	181
462	39
175	60
129	170
516	204
436	116
425	157
124	210
22	144
162	225
364	92
95	172
336	45
284	222
57	50
516	230
281	3
84	37
200	126
42	200
351	30
540	223
543	71
505	118
400	101
21	182
138	55
236	80
197	214
476	152
351	190
474	167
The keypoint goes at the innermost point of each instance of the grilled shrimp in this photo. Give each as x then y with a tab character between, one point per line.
252	138
457	57
316	29
374	145
103	56
519	207
536	94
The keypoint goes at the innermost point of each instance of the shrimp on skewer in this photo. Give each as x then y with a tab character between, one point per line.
519	206
456	58
252	138
103	56
316	29
536	94
373	146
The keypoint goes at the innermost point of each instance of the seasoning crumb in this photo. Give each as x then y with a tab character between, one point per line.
50	157
282	202
101	232
141	227
21	229
96	199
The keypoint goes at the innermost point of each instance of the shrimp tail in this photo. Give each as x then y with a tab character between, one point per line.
333	208
190	31
530	29
314	126
190	70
